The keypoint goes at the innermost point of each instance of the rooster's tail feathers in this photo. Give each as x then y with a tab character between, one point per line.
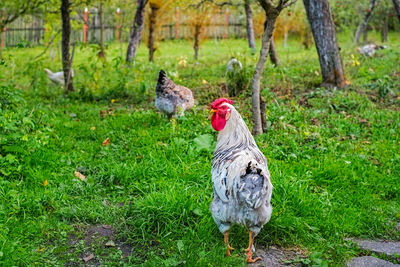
162	76
162	81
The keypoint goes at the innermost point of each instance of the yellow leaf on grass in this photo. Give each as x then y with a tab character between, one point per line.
106	142
113	100
45	183
92	128
204	82
80	175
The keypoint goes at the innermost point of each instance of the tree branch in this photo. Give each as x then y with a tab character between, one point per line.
289	3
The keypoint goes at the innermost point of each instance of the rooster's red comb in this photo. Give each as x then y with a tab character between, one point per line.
219	101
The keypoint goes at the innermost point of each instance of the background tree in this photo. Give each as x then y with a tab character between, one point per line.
198	17
320	18
65	43
249	25
293	21
154	7
136	31
10	10
364	23
381	21
102	51
159	13
396	4
272	12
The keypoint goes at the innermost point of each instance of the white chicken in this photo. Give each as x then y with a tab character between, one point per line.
233	64
172	99
369	49
57	77
241	180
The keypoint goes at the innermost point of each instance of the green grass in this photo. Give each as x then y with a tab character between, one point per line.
333	156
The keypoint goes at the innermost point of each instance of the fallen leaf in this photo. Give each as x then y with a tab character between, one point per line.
113	100
110	244
106	226
375	161
45	183
92	128
204	82
80	175
106	142
315	121
347	82
103	113
88	258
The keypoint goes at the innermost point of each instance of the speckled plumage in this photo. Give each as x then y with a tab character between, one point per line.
172	99
241	180
369	49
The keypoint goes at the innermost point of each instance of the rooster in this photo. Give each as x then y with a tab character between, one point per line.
241	180
172	99
57	77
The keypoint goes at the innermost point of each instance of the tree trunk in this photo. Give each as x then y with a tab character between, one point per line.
385	28
249	26
272	50
364	24
320	17
150	41
365	35
285	38
396	4
102	30
255	82
136	31
273	55
65	40
1	40
263	108
196	40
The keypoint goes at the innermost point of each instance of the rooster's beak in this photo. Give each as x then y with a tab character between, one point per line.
212	111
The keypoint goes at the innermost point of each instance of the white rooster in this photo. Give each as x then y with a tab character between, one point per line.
241	180
57	77
369	49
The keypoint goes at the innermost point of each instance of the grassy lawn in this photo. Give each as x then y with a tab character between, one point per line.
334	156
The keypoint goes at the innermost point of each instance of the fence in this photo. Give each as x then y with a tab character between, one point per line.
31	31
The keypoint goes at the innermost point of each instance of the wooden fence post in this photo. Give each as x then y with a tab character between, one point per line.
85	27
176	23
226	23
118	24
3	36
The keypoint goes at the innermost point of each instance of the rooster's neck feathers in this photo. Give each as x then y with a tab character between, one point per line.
234	138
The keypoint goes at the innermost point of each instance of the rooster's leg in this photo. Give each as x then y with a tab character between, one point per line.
226	240
249	253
